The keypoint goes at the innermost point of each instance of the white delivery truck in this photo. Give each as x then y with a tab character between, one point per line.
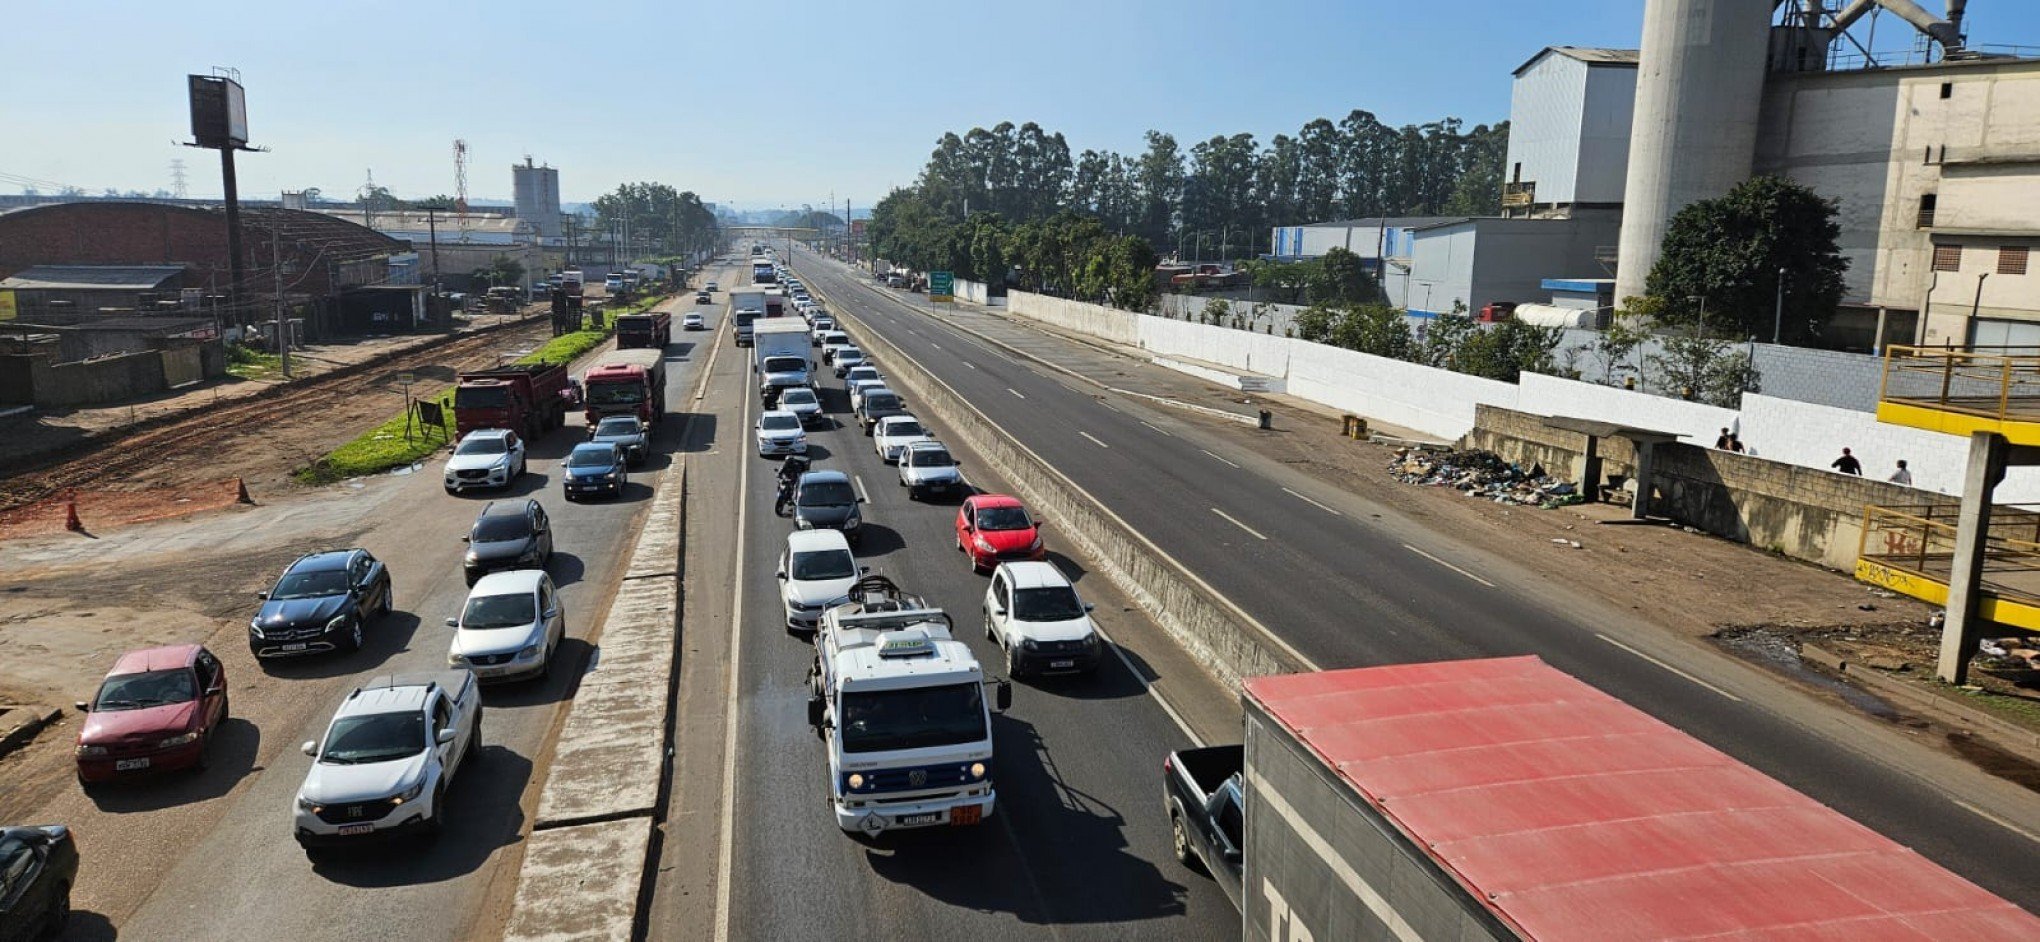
779	355
746	307
900	705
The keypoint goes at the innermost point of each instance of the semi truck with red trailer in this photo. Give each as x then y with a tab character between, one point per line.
1504	800
653	329
626	382
528	398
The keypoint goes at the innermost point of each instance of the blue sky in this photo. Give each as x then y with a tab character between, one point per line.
752	103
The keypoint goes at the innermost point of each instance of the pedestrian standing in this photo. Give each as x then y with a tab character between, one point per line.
1735	444
1847	464
1724	440
1902	475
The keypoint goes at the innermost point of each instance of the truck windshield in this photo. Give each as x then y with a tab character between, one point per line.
884	720
785	364
481	397
377	737
615	394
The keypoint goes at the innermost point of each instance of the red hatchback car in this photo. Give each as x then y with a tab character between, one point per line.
995	528
155	712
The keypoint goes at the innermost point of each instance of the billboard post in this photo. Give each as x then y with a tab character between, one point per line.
219	121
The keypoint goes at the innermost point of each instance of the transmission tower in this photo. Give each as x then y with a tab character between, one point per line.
177	187
460	207
368	200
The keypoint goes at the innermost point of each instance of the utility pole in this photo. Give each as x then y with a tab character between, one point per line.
432	228
1778	317
282	329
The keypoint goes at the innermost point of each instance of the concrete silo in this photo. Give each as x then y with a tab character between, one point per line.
1699	86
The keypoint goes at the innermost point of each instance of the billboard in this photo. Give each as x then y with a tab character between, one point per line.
219	112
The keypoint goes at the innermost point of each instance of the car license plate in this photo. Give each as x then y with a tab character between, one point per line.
352	829
911	820
968	814
125	765
300	646
1059	665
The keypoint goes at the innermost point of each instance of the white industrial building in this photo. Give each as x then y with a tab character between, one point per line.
536	192
1470	262
1569	110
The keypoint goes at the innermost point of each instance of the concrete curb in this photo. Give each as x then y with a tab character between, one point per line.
1216	633
32	721
2012	736
587	863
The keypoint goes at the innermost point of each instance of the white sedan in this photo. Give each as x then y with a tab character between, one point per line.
893	434
693	321
815	571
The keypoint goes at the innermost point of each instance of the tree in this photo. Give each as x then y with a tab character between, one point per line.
1158	175
1504	351
1707	369
1726	254
442	203
1339	276
502	270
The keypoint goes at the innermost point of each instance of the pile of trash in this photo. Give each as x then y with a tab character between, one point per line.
1483	474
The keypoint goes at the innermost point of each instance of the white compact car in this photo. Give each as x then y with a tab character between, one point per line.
511	625
926	467
833	342
780	432
816	570
487	457
1032	612
388	757
892	434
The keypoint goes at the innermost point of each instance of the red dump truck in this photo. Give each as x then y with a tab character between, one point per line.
1504	800
626	382
528	398
651	329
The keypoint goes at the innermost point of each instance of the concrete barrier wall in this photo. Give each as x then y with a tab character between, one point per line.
108	379
1096	320
1435	402
1550	395
1252	353
973	291
1224	639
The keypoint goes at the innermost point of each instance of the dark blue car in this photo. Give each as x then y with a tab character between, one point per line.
322	603
595	468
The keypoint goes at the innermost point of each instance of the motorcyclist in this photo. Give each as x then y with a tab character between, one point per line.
789	476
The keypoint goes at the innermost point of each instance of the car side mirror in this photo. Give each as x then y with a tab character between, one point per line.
861	570
1004	697
860	500
262	594
453	623
82	706
467	539
551	613
310	748
1088	608
999	610
445	736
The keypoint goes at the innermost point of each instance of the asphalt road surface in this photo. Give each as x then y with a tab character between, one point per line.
243	877
1348	582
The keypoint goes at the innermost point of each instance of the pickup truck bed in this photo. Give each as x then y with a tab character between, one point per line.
1201	790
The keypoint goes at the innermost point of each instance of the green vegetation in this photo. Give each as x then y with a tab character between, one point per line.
1454	342
1723	260
384	447
659	217
1335	276
245	362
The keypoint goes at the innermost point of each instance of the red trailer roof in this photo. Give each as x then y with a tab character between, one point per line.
1576	816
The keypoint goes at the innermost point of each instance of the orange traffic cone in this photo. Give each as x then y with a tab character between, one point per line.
71	521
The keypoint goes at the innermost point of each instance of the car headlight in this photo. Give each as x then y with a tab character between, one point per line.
1030	644
529	651
1036	544
182	739
89	752
852	522
530	555
472	558
976	770
855	781
310	805
985	545
409	794
338	622
1092	642
255	628
803	523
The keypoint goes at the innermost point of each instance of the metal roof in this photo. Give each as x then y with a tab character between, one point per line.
107	277
1590	55
1380	222
1573	815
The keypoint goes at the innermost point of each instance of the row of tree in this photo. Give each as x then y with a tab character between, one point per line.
672	222
1067	254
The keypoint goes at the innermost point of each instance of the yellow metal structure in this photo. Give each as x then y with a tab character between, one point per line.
1961	392
1909	550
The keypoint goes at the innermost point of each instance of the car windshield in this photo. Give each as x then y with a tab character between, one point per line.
827	494
884	720
861	374
499	611
835	339
849	355
778	423
1003	518
496	528
615	394
591	457
902	428
880	401
310	584
825	564
614	427
376	737
1049	603
481	397
146	689
488	445
797	397
929	458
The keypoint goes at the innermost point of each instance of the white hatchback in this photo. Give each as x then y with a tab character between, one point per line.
891	436
816	570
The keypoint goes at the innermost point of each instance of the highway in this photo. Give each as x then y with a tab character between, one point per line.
1350	582
1075	848
211	856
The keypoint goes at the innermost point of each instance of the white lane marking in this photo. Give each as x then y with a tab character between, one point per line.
2000	822
1219	458
1312	502
1016	392
1153	426
1447	565
861	492
930	343
726	848
1235	522
1094	439
1668	667
968	363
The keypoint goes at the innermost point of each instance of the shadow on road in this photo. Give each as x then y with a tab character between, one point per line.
88	927
702	435
381	640
232	758
1053	824
482	816
878	540
569	662
566	568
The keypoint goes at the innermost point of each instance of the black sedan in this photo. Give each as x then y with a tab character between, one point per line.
322	603
38	865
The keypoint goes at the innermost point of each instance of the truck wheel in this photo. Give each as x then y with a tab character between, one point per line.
1184	854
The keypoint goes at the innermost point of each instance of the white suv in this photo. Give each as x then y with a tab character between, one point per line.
388	757
487	457
1032	612
510	627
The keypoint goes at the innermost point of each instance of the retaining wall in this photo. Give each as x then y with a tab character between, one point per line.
1093	319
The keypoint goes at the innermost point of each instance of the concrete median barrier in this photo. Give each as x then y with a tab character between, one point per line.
1218	634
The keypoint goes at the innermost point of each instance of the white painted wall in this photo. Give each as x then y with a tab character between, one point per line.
1811	435
1546	107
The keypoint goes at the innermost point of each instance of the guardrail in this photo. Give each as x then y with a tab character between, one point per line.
1911	549
1996	383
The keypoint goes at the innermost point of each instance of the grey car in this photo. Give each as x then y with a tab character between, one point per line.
509	534
876	403
625	432
825	500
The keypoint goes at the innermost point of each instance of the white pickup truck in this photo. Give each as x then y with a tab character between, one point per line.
388	757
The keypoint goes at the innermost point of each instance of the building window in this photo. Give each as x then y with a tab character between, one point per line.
1947	89
1517	177
2011	260
1927	201
1947	258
